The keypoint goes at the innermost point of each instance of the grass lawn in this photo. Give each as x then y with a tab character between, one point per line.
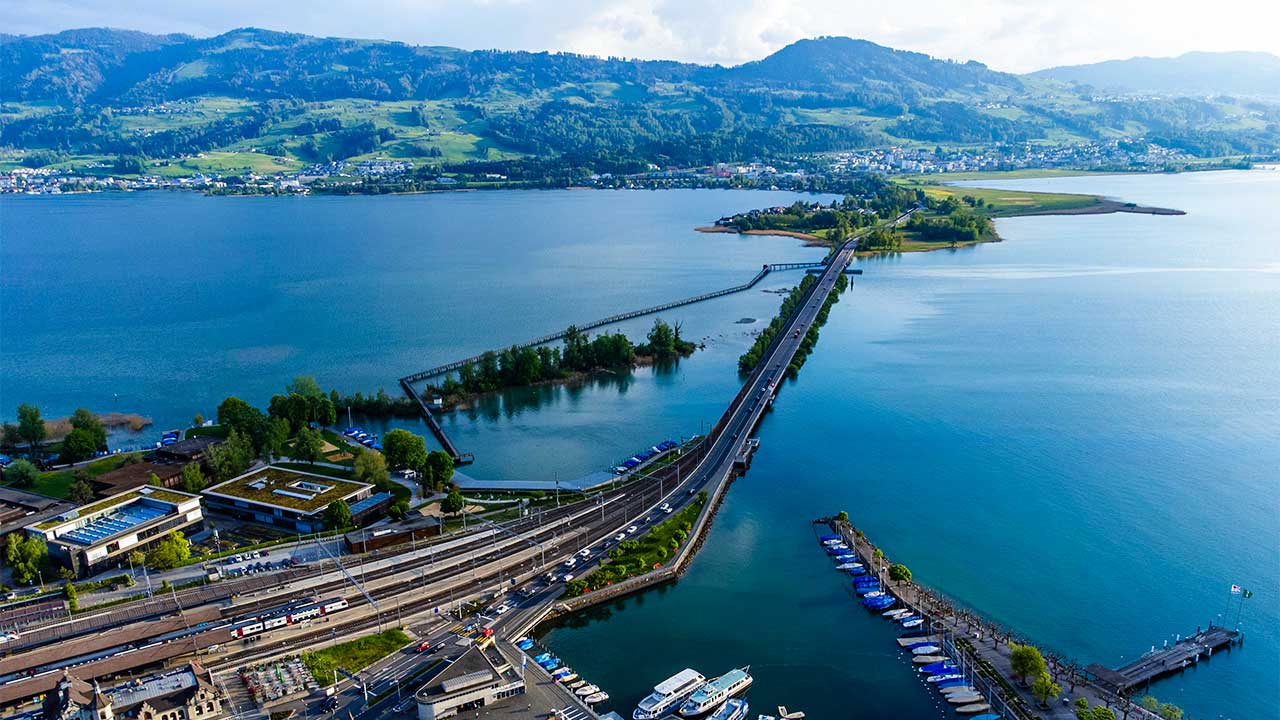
353	655
1006	203
57	483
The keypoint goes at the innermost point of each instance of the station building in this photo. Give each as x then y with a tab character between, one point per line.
98	536
288	499
478	678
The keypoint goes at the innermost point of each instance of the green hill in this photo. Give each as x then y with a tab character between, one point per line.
280	99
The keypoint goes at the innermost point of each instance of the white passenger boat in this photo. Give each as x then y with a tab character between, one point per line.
668	694
707	698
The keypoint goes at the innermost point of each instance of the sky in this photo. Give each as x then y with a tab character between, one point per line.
1009	35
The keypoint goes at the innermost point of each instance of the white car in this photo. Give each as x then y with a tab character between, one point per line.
631	530
567	578
620	537
502	608
585	552
570	562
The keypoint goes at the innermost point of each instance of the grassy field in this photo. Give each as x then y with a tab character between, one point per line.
226	163
641	556
1029	173
353	655
57	483
1006	203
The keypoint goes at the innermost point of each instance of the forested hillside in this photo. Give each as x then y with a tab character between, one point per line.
270	99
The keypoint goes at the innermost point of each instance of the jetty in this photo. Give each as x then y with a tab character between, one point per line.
1163	661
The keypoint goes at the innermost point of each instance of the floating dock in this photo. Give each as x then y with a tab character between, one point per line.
1180	655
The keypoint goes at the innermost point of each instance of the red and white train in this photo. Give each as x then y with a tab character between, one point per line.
290	615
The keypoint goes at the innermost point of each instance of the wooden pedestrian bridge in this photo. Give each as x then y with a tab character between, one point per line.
461	458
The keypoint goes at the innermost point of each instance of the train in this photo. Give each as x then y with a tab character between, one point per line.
289	615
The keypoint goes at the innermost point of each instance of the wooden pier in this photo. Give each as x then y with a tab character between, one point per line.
1166	660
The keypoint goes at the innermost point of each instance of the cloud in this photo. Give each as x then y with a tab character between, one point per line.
1013	35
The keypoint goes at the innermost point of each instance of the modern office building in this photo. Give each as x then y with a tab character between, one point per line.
292	500
98	536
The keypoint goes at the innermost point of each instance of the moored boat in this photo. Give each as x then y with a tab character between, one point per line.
668	694
910	623
928	659
566	679
594	698
711	694
925	650
732	709
943	677
974	708
965	698
957	689
577	684
586	690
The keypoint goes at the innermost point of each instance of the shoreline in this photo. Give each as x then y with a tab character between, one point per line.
810	240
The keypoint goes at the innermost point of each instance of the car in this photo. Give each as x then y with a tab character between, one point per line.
255	554
797	333
665	507
567	578
585	552
691	491
502	608
570	562
238	559
631	530
423	647
620	537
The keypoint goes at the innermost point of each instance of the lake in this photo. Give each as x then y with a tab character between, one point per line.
1074	430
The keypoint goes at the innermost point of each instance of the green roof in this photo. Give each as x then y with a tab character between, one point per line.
268	485
155	493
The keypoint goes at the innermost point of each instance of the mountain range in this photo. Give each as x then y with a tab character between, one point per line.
294	98
1194	73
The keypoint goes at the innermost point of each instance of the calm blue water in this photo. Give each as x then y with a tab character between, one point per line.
1074	430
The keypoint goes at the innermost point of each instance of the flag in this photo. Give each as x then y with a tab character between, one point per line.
1247	594
1235	589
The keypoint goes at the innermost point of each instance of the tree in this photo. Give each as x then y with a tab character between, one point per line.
1149	702
197	421
662	339
899	573
25	555
307	445
238	414
73	603
1169	711
275	436
404	449
192	478
88	422
453	503
154	480
76	446
230	458
338	515
81	492
31	427
21	473
1027	662
842	516
304	385
137	559
438	470
371	467
1045	689
172	551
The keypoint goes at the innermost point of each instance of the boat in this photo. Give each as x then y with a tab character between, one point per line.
711	694
848	557
952	683
732	709
669	694
991	716
561	672
566	679
929	659
577	684
899	614
911	639
912	622
586	690
594	698
895	611
943	665
940	678
954	689
792	715
542	658
848	566
525	644
551	664
925	650
825	538
874	594
974	708
965	698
